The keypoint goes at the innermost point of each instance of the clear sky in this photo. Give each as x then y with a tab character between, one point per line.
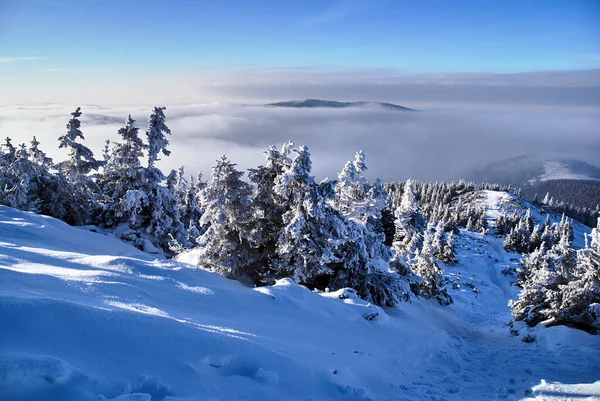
413	36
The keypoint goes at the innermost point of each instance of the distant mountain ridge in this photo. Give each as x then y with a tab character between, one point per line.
529	169
318	103
572	181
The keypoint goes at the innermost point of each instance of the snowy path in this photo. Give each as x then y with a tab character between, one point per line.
485	361
86	317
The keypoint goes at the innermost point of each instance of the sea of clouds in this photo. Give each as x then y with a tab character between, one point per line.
463	122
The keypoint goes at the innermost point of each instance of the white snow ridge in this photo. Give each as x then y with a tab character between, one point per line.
84	316
561	171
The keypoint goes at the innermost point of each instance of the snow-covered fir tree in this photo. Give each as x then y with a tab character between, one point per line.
409	224
227	246
81	160
426	267
76	169
21	182
312	229
367	264
268	206
188	205
123	180
156	136
560	285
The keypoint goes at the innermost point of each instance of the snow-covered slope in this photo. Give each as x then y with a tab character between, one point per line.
84	316
522	170
555	170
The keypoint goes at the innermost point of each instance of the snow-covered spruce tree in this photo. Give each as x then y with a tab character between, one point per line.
312	229
518	238
27	183
545	275
535	240
595	238
164	225
156	136
425	266
367	265
227	245
579	302
443	245
53	191
501	225
7	180
21	182
268	207
580	298
8	154
448	255
39	157
50	189
188	205
123	181
352	188
76	169
409	224
174	235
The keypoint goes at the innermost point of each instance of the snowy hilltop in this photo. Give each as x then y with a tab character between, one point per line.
121	282
567	182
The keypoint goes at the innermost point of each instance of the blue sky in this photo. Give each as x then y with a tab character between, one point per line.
412	36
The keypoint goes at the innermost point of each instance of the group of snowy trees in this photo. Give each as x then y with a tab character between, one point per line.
285	224
120	192
280	223
385	242
560	285
426	218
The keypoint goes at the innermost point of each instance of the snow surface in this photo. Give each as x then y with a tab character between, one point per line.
561	171
84	316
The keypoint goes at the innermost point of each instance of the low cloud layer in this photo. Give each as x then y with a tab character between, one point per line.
436	144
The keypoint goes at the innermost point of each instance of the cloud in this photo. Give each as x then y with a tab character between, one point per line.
430	145
551	88
17	59
261	85
467	119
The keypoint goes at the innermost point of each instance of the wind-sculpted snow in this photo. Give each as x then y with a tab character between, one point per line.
84	316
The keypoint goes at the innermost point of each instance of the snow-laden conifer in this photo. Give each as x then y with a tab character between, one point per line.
227	244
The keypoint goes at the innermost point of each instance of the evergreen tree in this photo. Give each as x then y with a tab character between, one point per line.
81	160
579	300
267	206
123	181
425	266
76	169
192	210
21	182
409	223
8	154
366	261
448	256
39	157
155	134
312	231
227	244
